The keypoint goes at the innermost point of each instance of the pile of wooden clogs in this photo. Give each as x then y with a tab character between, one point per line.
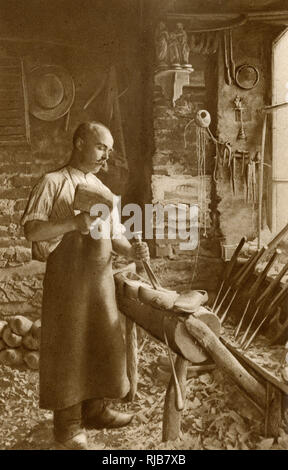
20	341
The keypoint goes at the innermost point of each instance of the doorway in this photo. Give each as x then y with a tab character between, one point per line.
280	133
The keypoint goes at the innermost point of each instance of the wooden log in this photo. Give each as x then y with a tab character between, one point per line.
31	358
151	319
3	323
11	339
132	357
20	325
171	417
11	357
225	360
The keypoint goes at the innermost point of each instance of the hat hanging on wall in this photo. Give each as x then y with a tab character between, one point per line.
51	92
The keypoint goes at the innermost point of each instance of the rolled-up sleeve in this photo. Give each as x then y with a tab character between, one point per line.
41	200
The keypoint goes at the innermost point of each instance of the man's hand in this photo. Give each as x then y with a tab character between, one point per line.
83	222
140	251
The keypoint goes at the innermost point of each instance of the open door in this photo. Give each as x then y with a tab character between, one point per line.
280	133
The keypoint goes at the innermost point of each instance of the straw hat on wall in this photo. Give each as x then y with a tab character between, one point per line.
51	92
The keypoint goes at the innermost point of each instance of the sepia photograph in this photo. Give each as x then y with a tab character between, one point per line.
143	227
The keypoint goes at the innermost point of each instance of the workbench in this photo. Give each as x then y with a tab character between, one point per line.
264	392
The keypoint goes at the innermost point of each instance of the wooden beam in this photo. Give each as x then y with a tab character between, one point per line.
171	416
225	360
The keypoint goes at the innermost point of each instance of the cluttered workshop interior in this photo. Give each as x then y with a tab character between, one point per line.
196	96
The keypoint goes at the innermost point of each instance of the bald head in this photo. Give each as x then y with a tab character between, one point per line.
92	145
94	129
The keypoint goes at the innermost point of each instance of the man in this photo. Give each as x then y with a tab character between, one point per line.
82	355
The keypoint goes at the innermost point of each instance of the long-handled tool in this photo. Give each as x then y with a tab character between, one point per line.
262	300
229	268
275	303
240	278
273	285
153	279
253	291
156	285
240	272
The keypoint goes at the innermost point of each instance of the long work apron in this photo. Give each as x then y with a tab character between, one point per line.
82	351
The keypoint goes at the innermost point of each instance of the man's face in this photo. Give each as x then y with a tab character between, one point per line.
95	150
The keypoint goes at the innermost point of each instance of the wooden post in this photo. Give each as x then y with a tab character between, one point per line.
260	180
225	360
132	357
273	410
171	417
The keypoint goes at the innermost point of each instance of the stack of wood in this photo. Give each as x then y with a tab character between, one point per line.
20	341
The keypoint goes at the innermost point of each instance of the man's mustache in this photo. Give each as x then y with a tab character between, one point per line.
104	164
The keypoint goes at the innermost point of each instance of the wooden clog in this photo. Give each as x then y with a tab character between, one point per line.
191	301
20	325
11	339
160	298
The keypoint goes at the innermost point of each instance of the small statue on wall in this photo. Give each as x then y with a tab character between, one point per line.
184	49
161	45
174	51
171	47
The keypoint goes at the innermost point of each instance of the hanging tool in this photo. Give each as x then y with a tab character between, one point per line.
231	59
278	299
229	267
96	92
241	133
26	102
153	279
217	161
254	289
226	61
251	182
227	153
232	166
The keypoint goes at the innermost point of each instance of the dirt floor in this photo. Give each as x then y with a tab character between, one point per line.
216	416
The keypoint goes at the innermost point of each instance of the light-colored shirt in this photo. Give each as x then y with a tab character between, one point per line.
52	199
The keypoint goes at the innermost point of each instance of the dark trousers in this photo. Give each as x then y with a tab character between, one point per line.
68	421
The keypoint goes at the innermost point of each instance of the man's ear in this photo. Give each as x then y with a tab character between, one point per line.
79	143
